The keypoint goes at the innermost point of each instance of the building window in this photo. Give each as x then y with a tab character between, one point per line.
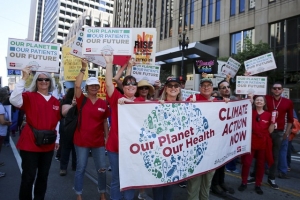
186	15
203	8
210	11
180	17
237	40
271	1
161	35
242	6
192	7
251	4
232	7
218	10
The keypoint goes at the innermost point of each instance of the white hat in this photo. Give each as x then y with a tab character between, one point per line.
92	81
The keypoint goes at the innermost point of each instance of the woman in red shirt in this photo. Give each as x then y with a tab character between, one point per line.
91	134
260	146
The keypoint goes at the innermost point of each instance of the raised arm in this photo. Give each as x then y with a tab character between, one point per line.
108	76
79	78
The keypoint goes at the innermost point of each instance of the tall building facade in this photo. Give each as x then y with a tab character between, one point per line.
50	20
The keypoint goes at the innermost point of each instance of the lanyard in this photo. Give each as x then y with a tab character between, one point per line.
275	108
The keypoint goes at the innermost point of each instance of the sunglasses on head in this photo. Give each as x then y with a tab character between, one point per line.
43	79
258	118
143	88
133	83
224	88
277	88
173	85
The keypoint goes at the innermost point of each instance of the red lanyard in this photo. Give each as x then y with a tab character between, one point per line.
275	108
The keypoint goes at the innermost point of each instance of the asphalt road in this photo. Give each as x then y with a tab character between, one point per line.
60	188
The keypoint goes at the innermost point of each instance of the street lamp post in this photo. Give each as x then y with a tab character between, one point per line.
183	43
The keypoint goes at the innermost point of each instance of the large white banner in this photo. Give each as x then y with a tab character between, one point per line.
166	143
39	55
260	64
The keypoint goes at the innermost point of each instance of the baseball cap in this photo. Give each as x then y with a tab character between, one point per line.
172	79
206	80
92	81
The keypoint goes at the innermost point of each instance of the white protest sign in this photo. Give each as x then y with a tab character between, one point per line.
76	50
260	64
187	93
286	93
101	40
173	141
146	72
39	55
256	85
231	67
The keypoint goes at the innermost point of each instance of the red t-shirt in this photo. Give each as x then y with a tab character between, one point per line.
284	106
41	115
112	143
260	129
91	133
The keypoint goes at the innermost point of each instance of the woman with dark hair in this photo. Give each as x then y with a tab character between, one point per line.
42	115
114	97
66	139
260	146
4	120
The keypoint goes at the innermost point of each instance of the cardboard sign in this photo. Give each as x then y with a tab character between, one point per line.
144	45
286	93
174	141
101	40
39	55
76	50
260	64
150	73
231	67
187	93
256	85
206	66
71	65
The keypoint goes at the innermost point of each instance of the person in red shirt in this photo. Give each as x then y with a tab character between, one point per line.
42	113
91	134
261	129
114	97
283	109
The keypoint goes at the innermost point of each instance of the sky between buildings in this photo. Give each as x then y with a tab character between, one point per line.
14	20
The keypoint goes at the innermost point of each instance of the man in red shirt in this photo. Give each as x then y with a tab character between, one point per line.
283	108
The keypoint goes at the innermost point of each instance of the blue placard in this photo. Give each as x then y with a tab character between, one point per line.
13	72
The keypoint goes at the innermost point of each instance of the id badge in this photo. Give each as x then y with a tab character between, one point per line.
275	125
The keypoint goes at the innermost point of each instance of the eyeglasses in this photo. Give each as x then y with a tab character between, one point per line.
277	88
171	85
206	86
224	88
258	118
143	88
131	83
43	79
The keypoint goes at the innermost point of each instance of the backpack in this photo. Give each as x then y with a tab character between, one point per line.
72	119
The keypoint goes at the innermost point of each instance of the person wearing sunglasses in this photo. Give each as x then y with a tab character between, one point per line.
42	113
261	145
145	90
91	134
114	97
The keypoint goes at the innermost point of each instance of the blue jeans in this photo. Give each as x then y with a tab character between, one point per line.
282	162
115	193
82	154
231	165
289	154
162	193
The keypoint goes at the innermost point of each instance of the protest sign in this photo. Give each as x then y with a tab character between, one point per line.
93	73
286	93
39	55
144	40
187	93
71	65
101	40
146	72
260	64
256	85
102	91
231	67
76	50
13	72
173	141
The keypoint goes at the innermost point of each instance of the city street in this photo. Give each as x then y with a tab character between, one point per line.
60	187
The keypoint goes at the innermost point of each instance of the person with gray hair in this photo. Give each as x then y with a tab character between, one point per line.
42	116
4	120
